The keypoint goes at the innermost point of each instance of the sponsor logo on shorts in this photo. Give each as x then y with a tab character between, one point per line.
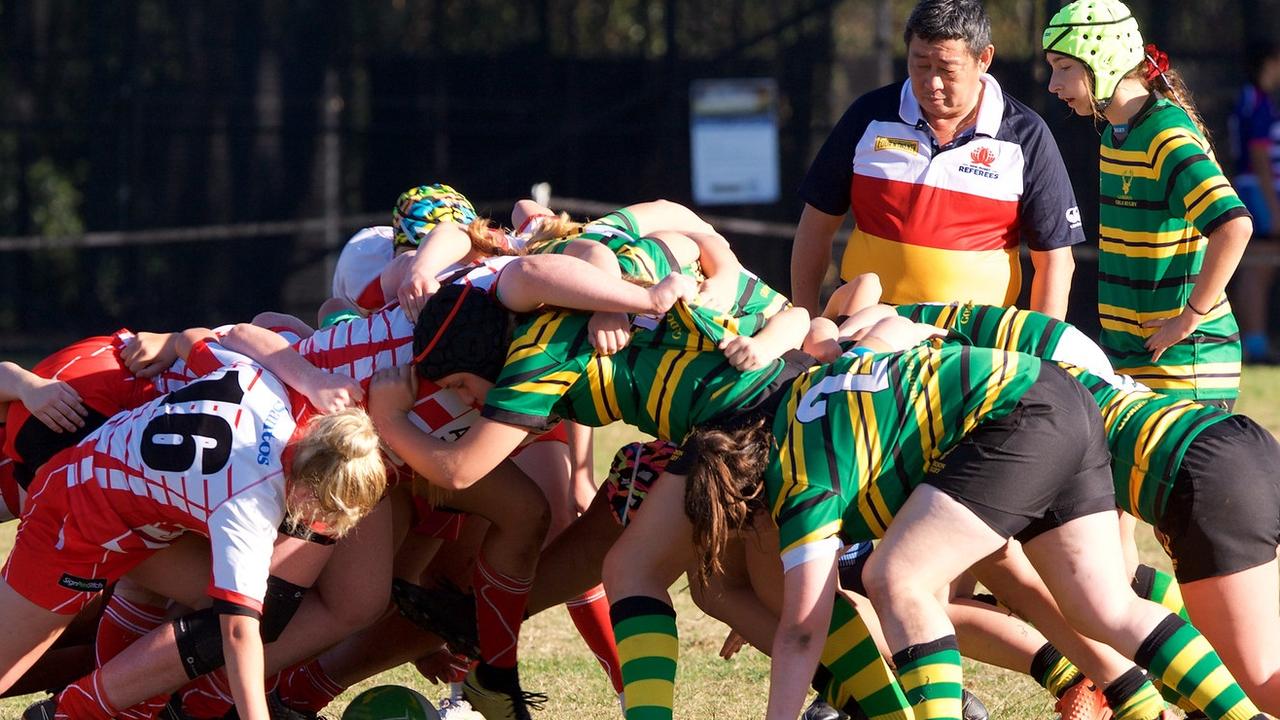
79	584
892	143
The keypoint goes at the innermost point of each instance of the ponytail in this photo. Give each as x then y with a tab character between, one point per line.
725	486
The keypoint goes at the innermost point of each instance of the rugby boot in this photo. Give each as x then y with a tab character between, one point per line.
819	710
972	708
496	694
1083	701
40	710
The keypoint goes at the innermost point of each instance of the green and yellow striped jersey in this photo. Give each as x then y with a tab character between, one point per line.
989	326
670	378
1147	433
855	437
1162	192
646	260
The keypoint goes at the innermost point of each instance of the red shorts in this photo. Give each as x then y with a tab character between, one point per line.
52	563
443	524
634	470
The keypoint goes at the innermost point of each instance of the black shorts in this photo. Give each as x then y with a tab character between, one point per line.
1228	404
1223	513
1036	469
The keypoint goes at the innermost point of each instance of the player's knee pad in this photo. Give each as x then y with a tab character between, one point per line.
281	602
199	639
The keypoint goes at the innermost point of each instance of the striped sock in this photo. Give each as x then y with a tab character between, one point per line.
649	648
1132	697
860	677
1054	671
1183	660
931	676
590	614
1159	587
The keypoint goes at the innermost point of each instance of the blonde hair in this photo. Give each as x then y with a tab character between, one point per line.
486	239
339	460
554	228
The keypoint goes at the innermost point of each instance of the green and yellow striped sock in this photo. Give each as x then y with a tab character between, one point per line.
1159	587
1183	660
931	677
860	676
648	648
1133	697
1054	671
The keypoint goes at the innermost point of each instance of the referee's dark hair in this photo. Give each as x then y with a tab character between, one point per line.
939	20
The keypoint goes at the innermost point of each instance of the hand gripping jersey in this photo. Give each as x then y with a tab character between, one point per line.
205	459
1147	433
855	437
92	367
669	379
1011	329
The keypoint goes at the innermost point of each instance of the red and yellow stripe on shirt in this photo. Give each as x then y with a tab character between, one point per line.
936	228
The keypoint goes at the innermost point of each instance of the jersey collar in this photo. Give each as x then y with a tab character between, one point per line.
990	107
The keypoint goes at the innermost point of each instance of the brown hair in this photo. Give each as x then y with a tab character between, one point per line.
339	460
1169	84
725	486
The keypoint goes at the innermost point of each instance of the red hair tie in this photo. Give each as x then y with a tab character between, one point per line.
1157	62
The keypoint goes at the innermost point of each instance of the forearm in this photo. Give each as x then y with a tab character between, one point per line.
786	330
447	243
1221	258
797	648
271	351
184	341
242	647
811	255
1051	284
16	380
567	282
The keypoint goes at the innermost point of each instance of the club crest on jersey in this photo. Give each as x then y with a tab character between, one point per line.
892	143
980	161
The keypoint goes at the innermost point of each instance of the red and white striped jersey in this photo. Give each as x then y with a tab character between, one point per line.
206	458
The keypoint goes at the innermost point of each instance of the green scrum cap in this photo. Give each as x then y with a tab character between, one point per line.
1103	35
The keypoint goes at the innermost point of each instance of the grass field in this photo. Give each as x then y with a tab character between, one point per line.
555	661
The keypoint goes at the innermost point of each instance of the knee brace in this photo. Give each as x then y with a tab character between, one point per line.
281	602
199	634
199	639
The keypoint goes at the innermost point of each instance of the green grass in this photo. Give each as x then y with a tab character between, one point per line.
554	659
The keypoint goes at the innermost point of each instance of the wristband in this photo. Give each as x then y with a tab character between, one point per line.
861	350
1193	309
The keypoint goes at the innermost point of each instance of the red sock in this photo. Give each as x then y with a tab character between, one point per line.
308	687
84	700
500	603
590	614
123	622
208	696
